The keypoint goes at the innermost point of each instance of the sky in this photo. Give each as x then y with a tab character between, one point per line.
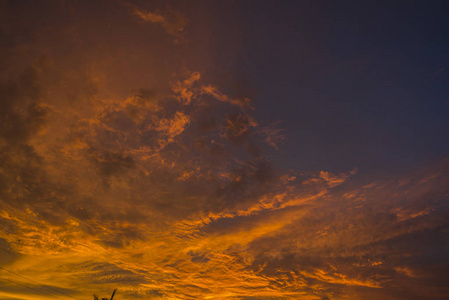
251	150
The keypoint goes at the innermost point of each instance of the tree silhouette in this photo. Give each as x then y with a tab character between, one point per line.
113	293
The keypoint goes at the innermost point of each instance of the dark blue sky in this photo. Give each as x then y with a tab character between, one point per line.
356	84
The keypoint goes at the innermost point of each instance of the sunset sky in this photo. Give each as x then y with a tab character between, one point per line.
220	149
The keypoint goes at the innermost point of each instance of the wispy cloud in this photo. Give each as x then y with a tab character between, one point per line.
173	22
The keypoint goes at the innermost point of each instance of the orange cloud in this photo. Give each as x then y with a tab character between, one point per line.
173	23
173	127
243	103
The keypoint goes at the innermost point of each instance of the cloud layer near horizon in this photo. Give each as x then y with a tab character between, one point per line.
120	168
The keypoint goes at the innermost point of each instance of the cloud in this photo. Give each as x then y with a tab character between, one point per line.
173	127
243	103
183	89
273	135
362	240
8	255
116	174
22	114
173	22
127	183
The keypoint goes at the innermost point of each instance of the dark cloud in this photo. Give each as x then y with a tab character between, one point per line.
21	115
8	255
384	235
